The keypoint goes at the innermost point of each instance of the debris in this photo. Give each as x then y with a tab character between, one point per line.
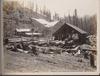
79	60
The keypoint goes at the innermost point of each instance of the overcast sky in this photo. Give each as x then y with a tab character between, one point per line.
63	7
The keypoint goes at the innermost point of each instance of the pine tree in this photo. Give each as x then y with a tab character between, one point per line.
56	16
69	19
36	9
75	18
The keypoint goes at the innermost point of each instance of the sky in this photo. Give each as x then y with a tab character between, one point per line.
64	7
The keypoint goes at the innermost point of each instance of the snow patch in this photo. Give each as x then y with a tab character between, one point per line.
33	33
23	30
45	22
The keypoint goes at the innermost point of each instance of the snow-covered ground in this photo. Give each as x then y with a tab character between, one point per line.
33	33
45	22
23	30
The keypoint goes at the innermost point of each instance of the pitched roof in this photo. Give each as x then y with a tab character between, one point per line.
57	26
76	28
45	22
61	23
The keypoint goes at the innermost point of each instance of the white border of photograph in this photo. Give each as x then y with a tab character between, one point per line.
50	73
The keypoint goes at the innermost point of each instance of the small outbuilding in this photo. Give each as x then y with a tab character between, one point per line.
22	31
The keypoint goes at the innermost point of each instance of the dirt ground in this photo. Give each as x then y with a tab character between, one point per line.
21	62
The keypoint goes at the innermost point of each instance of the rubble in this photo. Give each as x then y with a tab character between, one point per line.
37	48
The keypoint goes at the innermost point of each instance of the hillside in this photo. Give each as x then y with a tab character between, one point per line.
20	17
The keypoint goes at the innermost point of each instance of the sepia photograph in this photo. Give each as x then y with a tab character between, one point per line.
50	36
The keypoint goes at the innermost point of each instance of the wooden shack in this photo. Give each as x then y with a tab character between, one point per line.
22	31
65	30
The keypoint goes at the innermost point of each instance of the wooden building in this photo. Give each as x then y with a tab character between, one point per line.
22	31
64	31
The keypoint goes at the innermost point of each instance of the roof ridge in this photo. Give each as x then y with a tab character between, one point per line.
75	27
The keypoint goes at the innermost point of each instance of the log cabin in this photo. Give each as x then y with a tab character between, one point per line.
63	30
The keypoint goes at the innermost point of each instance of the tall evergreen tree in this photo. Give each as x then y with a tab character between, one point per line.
75	18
